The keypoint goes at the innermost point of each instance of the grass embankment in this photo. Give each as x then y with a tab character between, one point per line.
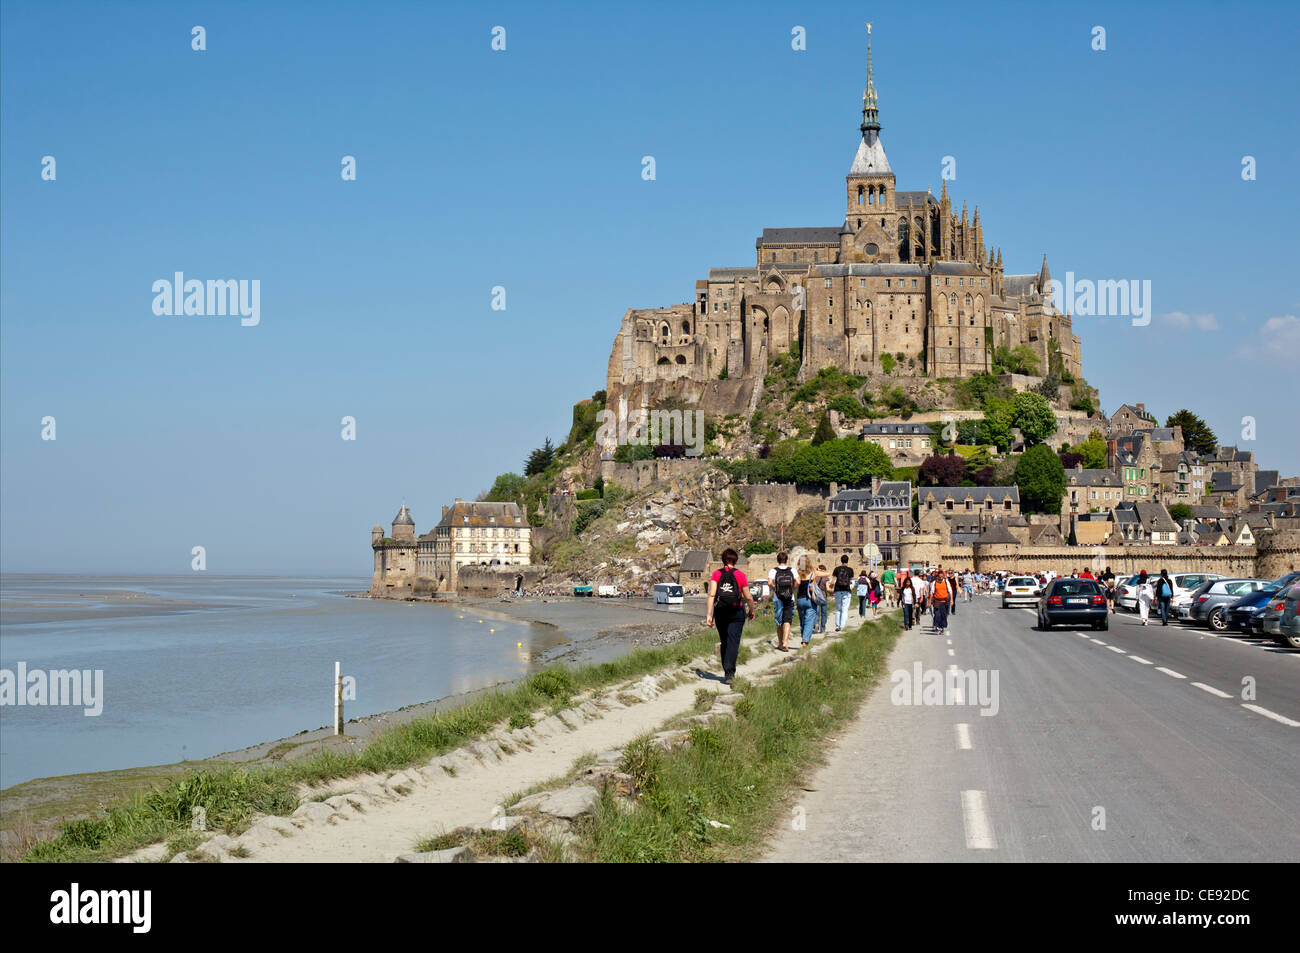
738	772
230	798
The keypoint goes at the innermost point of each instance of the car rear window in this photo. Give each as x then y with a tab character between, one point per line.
1075	587
1023	581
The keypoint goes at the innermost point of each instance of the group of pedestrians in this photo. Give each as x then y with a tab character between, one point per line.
934	592
1160	592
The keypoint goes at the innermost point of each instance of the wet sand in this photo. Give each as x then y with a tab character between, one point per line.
599	629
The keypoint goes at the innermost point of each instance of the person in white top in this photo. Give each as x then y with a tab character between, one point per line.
1146	594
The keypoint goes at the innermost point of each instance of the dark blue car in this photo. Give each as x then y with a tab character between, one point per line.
1244	614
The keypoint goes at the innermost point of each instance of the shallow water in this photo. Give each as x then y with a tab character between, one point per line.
194	666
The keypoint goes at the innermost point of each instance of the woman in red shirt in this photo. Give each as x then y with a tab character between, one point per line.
728	605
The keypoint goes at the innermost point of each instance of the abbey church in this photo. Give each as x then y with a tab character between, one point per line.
904	285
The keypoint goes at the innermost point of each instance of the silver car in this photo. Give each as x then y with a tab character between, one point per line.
1209	603
1281	617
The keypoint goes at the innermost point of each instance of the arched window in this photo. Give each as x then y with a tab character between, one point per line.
860	194
681	358
686	327
663	333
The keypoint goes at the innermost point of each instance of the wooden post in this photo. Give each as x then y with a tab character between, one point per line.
338	700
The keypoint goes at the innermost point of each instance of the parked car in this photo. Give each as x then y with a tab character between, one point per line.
1281	617
1185	583
1073	601
1243	615
1021	589
1209	603
1126	592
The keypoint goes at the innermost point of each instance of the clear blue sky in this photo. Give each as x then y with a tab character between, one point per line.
522	169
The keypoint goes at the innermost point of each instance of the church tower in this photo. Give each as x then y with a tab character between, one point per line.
870	180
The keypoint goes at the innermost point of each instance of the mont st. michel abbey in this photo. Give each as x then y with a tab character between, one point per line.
905	285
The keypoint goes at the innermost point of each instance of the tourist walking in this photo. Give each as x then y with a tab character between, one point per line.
1144	596
907	599
844	576
728	605
941	597
807	608
822	595
888	585
875	594
1164	595
784	583
863	591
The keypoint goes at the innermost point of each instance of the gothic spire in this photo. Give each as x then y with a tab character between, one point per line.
1044	276
870	112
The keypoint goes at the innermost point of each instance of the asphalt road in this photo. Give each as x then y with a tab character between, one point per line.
1134	744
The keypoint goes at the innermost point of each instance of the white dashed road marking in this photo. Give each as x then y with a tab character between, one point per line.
1170	672
1138	658
1272	714
1213	691
975	816
1116	648
1097	641
963	737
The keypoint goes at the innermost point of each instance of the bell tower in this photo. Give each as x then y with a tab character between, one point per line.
870	182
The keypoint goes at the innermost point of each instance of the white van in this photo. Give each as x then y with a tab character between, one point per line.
607	592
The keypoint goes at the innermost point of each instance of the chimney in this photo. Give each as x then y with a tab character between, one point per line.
1112	451
835	488
458	499
1142	408
445	511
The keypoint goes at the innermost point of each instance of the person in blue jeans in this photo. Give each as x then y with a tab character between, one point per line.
807	608
1164	594
844	576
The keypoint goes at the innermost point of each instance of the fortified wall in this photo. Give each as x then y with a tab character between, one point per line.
1273	555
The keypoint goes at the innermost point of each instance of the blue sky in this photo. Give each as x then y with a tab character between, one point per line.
522	169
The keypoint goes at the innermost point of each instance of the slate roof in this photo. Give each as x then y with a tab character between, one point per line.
695	560
1092	478
403	517
893	494
829	234
996	533
1221	481
868	270
956	268
1019	286
905	429
1264	479
915	198
977	493
726	274
870	158
483	514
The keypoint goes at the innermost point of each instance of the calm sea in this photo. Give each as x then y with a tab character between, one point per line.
197	665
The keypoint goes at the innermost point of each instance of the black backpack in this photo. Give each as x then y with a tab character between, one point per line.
783	584
728	596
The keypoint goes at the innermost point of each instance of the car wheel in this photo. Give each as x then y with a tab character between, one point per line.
1044	624
1217	622
1290	641
1105	624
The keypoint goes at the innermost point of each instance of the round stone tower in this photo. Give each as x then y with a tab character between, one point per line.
403	526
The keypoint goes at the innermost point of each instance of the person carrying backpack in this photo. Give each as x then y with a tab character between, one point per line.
1164	595
862	589
784	583
844	576
807	608
728	604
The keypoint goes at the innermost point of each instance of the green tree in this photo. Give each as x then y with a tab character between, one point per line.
1033	415
995	428
507	488
887	363
1041	479
1094	452
1179	512
540	459
824	432
1018	360
847	460
631	452
1197	434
